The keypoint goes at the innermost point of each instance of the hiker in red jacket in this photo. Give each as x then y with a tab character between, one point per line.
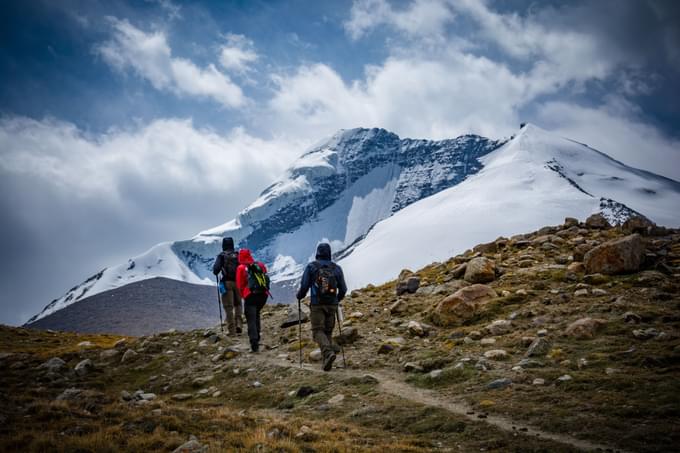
253	283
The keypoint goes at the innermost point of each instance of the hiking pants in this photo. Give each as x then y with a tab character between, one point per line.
253	305
323	323
231	300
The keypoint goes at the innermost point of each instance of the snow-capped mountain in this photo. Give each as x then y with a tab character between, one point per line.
387	203
336	191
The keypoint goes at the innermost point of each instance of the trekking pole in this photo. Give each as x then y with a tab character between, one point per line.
219	302
300	330
342	348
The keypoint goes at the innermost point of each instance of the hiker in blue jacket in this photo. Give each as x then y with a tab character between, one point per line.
328	288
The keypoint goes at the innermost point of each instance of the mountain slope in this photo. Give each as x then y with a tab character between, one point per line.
535	179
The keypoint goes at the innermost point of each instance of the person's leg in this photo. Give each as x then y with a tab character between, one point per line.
329	324
318	318
228	302
251	315
237	306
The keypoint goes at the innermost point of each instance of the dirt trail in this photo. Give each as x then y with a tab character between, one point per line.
394	386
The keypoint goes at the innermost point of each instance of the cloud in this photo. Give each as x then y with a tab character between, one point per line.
150	57
238	54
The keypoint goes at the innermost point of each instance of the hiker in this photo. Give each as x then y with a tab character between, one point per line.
327	282
226	263
253	283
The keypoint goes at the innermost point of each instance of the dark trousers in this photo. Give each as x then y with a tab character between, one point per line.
231	300
252	306
323	323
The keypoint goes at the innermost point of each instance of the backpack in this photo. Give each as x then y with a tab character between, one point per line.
327	284
258	280
229	265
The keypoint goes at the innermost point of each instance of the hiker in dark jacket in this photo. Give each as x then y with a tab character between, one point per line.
253	299
328	288
226	263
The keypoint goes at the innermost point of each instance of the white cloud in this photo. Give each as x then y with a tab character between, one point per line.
150	57
238	54
167	155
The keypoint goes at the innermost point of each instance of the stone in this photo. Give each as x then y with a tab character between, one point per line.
475	335
304	391
54	365
84	367
257	384
192	446
306	434
459	271
521	292
86	345
148	396
109	355
577	267
316	355
530	363
631	317
570	222
462	305
563	379
337	399
585	328
156	412
496	354
398	307
487	341
499	384
435	374
538	348
407	282
217	394
480	270
125	395
69	394
413	367
599	292
348	335
638	224
201	381
416	329
120	343
581	292
645	334
542	332
499	327
538	381
623	255
294	317
182	396
597	221
129	356
356	315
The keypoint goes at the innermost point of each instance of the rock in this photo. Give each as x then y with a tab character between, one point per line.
294	318
306	434
563	379
109	354
201	381
305	391
530	363
148	396
391	344
125	395
459	271
645	334
54	365
487	341
217	394
599	292
570	222
398	307
348	335
316	355
631	317
623	255
462	305
521	292
182	396
598	222
581	292
356	315
274	434
525	263
413	367
638	224
585	328
538	348
435	374
480	270
577	267
407	282
129	356
69	394
496	354
416	329
337	399
542	332
156	412
257	384
499	327
499	384
538	381
120	343
84	367
193	446
86	345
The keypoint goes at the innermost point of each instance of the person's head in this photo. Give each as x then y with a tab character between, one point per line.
244	257
323	251
228	244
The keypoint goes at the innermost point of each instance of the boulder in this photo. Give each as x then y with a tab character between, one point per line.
577	267
499	384
480	270
316	355
638	224
499	327
496	354
409	284
459	271
539	347
296	317
53	365
623	255
348	335
109	354
129	356
462	305
584	328
570	222
597	221
84	367
398	307
416	329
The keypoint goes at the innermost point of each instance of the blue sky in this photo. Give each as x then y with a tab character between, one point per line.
123	124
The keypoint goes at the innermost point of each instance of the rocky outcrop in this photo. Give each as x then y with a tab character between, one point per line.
408	282
618	256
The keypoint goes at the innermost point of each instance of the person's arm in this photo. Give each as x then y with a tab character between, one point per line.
342	286
305	283
219	263
240	274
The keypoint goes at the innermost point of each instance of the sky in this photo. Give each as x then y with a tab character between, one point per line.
127	123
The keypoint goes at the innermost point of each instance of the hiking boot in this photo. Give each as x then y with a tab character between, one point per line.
328	362
254	348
